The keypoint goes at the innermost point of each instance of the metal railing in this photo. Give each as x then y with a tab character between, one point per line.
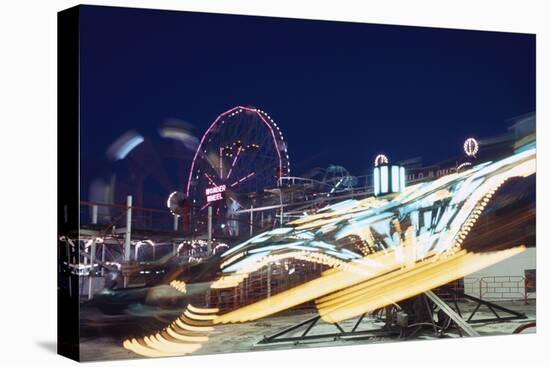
502	288
101	214
492	288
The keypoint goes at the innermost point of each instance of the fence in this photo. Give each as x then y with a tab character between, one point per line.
493	288
115	215
503	288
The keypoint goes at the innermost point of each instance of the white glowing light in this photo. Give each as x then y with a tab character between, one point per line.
384	179
462	165
471	147
129	146
214	197
395	178
170	198
376	181
214	193
187	139
380	159
215	190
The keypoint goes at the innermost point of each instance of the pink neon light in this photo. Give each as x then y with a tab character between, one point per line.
275	141
221	164
210	179
234	161
205	205
214	197
243	178
212	126
215	190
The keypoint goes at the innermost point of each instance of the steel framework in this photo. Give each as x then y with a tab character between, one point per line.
393	327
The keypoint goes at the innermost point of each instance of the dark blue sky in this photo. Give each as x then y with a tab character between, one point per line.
341	92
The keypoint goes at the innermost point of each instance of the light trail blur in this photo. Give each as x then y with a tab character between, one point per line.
404	263
183	336
380	251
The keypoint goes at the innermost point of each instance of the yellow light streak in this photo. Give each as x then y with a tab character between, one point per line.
336	216
198	317
408	284
355	287
187	327
179	285
186	338
356	271
194	309
171	341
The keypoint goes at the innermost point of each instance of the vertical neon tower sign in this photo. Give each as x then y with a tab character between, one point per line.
387	178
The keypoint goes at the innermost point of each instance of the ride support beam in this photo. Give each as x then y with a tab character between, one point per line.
460	322
128	234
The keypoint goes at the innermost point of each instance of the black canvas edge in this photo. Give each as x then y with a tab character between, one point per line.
68	181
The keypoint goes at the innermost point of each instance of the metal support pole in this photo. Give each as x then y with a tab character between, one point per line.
262	220
69	266
251	220
281	201
128	236
459	321
209	230
176	217
85	260
480	289
103	258
94	214
90	277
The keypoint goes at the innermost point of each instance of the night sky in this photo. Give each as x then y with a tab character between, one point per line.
341	92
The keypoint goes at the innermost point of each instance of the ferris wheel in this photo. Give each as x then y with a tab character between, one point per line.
241	153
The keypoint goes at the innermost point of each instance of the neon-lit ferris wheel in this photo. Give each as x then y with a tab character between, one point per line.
241	153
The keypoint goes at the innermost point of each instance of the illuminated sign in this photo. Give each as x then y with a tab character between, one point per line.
214	193
380	159
388	179
471	147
